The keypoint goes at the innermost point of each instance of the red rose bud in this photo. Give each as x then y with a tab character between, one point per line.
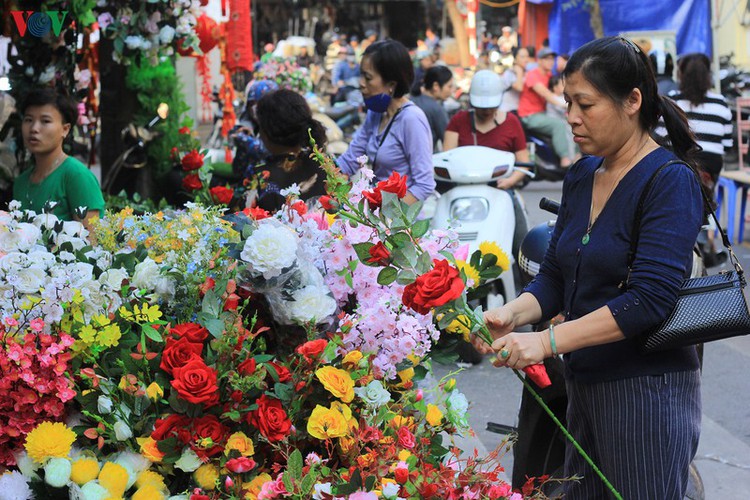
192	182
329	204
256	213
312	349
419	395
228	481
247	367
192	161
236	396
174	153
207	285
538	375
184	130
402	475
379	254
232	302
374	198
240	465
300	207
299	386
221	194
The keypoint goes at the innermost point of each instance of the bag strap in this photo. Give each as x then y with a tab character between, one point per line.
635	233
385	133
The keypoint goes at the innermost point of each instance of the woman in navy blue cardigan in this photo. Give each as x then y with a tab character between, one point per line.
637	415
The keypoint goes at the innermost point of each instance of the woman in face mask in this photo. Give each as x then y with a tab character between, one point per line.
396	135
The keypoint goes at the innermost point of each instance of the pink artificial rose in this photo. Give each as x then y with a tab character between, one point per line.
272	489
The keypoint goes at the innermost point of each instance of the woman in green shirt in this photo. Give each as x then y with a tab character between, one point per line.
55	176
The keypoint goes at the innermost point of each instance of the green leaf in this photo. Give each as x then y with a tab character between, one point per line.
399	239
447	319
152	333
370	483
363	250
424	263
412	212
406	277
387	276
287	480
294	465
283	391
488	260
475	259
391	206
420	228
308	482
215	326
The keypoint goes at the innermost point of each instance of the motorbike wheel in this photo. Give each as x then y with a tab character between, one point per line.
696	490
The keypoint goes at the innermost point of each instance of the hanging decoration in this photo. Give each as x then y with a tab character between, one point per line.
201	66
239	41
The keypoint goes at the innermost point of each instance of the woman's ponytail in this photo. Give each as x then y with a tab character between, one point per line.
682	139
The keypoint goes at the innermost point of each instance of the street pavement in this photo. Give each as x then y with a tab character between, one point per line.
723	457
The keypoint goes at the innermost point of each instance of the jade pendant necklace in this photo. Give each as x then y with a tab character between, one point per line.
593	218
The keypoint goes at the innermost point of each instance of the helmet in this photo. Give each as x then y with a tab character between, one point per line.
486	89
533	248
662	62
258	89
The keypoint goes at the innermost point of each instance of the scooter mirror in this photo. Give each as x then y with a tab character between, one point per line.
163	110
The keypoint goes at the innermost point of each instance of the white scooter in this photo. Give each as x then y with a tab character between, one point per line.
477	211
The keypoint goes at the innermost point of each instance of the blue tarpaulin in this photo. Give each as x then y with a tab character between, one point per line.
569	24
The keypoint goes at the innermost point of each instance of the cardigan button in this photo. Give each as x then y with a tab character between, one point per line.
637	302
626	307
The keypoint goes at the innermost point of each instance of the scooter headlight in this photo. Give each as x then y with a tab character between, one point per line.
469	209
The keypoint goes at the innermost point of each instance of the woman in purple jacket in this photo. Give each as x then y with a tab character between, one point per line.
396	135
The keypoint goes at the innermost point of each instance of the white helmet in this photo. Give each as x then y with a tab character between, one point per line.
486	89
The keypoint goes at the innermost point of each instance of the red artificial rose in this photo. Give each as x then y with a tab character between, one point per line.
240	465
247	367
256	213
192	161
270	419
300	207
434	288
329	204
402	475
196	383
198	496
282	371
178	352
174	153
172	426
221	194
192	182
379	254
209	436
207	285
312	349
184	130
194	332
405	438
395	184
231	302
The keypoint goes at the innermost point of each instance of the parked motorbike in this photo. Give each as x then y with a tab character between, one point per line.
129	170
540	446
481	211
546	162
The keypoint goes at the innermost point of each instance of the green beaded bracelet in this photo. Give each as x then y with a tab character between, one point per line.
552	344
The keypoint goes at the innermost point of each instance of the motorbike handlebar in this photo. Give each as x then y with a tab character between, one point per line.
548	205
524	164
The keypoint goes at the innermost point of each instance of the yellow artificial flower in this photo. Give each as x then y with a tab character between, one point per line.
149	449
471	273
150	478
252	488
109	336
450	384
49	440
352	358
240	442
404	455
347	443
399	421
458	326
346	412
406	375
154	391
327	423
87	334
337	381
114	478
491	248
83	470
148	492
206	476
434	415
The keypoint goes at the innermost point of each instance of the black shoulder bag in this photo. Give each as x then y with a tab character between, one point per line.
709	307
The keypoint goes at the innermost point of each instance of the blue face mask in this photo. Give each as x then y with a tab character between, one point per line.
378	103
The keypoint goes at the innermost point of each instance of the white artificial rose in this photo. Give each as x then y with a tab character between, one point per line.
5	217
94	491
165	288
123	431
146	274
14	485
166	35
113	278
189	461
30	280
133	42
13	261
74	228
26	465
42	259
104	405
373	394
390	490
30	234
80	273
57	472
46	221
319	489
311	303
76	242
270	250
